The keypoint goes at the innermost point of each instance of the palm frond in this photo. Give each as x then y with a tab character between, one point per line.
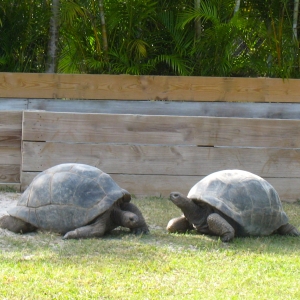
177	64
70	11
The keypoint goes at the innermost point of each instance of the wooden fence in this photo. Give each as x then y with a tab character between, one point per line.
150	147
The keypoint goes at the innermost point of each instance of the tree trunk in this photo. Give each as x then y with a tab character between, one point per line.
237	6
53	41
197	22
295	19
103	26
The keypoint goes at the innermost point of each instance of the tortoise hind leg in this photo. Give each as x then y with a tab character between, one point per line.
288	229
179	225
15	225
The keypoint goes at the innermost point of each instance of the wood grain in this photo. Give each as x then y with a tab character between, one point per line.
10	156
157	185
169	130
10	128
13	104
165	88
163	185
10	173
167	160
10	146
170	108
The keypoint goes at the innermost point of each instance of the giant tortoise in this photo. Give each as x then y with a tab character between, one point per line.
76	200
231	203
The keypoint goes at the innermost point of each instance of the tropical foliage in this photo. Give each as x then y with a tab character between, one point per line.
155	37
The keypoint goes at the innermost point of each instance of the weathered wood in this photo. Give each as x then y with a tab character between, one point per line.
10	128
163	185
208	109
157	185
13	104
10	156
10	146
213	109
167	160
144	129
150	147
173	88
10	173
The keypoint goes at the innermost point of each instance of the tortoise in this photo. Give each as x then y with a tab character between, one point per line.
231	203
76	200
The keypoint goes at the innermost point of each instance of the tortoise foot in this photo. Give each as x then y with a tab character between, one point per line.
140	230
288	229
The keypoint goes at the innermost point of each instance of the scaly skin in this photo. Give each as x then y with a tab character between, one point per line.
140	227
15	225
288	229
220	227
127	215
179	225
203	219
195	214
96	229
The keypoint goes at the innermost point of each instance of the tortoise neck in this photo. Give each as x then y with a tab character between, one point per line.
196	214
116	216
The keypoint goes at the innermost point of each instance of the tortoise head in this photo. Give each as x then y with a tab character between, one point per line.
179	199
196	214
124	218
129	219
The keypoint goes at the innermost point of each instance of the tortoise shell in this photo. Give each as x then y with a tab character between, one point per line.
68	196
247	198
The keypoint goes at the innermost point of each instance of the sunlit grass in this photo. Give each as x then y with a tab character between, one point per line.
155	266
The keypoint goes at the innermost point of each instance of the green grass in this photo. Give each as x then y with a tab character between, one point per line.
8	189
155	266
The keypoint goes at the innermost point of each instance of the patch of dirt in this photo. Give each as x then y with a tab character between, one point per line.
8	200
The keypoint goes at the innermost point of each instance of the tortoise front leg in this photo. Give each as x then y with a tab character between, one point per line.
220	227
179	225
96	229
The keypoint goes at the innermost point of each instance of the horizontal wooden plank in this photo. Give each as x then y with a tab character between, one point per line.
13	104
11	119
129	87
209	109
171	108
10	173
10	128
151	185
163	185
10	155
144	129
167	160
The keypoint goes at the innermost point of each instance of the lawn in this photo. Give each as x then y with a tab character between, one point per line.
154	266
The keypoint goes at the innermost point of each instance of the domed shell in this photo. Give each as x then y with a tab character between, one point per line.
68	196
245	197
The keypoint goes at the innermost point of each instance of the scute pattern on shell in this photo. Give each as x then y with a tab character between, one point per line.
245	197
68	196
